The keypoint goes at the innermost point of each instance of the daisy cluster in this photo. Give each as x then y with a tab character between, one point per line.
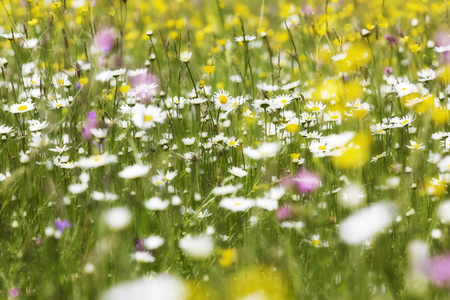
224	150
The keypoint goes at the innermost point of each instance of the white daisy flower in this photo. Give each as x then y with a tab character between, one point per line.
405	88
153	242
96	161
160	286
188	141
238	172
143	91
442	49
60	150
222	99
235	78
148	117
104	76
377	157
78	188
311	135
117	218
444	164
99	196
267	87
61	79
57	104
290	85
142	257
21	107
352	195
12	35
321	148
36	125
29	44
135	171
226	189
247	38
332	116
5	129
265	150
315	107
156	203
232	142
262	105
366	223
283	100
185	56
404	121
197	246
267	204
426	74
379	128
118	72
415	145
237	203
168	176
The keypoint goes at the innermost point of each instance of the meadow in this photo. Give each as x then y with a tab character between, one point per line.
244	150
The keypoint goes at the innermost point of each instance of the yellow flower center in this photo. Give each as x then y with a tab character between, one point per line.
416	146
379	131
61	81
58	105
404	122
322	148
315	108
148	118
159	183
334	117
232	143
22	108
284	101
223	99
316	242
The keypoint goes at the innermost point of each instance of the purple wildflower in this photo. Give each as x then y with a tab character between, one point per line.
144	87
91	123
284	212
388	71
391	39
104	39
99	146
304	181
140	245
442	40
439	270
307	10
61	225
14	293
